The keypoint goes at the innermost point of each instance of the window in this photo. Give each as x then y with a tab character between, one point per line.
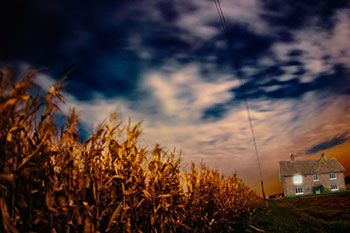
334	187
297	179
315	177
332	176
299	191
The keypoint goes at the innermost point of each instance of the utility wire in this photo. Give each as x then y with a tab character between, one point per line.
236	71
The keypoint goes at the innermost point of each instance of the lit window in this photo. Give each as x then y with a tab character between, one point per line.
332	176
297	179
334	187
299	190
315	177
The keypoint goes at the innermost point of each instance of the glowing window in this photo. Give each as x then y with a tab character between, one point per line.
297	179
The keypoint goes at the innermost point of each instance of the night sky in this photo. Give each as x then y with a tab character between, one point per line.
167	64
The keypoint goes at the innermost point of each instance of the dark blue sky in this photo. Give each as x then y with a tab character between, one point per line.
94	38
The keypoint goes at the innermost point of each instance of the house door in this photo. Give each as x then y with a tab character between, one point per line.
318	190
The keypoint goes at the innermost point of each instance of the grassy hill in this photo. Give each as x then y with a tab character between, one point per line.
326	213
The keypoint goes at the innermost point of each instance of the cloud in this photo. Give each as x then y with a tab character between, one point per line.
326	145
299	14
185	95
109	58
202	23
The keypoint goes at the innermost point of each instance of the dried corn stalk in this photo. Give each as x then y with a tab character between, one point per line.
50	181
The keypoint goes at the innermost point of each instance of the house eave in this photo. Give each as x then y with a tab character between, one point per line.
309	173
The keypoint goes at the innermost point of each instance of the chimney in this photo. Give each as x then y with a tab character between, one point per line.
323	157
291	157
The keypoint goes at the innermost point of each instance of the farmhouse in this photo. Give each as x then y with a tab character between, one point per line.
304	177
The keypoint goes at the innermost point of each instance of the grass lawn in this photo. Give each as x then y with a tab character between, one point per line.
325	213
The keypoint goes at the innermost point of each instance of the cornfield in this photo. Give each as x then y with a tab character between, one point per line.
53	181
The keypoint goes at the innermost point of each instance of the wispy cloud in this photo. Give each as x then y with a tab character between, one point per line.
326	145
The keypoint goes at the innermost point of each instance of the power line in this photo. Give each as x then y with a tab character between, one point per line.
235	69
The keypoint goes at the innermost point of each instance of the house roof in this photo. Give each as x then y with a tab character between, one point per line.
306	167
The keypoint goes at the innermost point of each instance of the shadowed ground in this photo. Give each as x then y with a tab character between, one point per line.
326	213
